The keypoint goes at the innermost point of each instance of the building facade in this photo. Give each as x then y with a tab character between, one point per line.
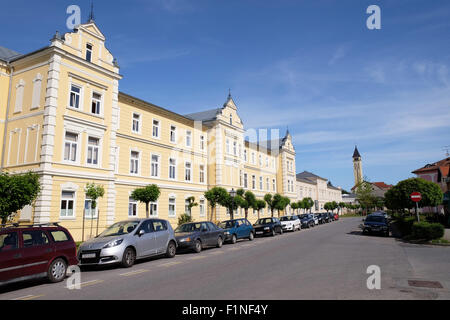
64	118
319	189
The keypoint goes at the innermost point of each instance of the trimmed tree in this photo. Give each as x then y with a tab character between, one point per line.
191	204
16	192
146	195
308	203
93	192
260	204
216	196
269	200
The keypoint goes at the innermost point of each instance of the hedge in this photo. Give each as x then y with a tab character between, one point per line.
427	231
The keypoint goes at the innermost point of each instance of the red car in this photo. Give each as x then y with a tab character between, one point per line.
336	216
35	251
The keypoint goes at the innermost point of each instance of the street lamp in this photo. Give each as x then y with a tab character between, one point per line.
232	195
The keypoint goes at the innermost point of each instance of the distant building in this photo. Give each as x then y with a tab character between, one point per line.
437	172
317	188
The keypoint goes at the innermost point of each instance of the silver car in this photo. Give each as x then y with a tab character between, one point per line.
126	241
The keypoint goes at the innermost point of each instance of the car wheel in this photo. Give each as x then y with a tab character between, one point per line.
171	250
251	236
219	242
57	270
233	239
128	258
281	231
198	246
273	233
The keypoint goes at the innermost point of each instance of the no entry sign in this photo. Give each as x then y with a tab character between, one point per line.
416	196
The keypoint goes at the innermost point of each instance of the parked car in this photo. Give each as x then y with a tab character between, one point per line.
336	216
307	220
325	217
330	216
319	218
270	226
237	229
290	223
198	235
126	241
375	223
316	220
35	251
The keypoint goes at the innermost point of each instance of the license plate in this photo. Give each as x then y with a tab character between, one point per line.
88	255
259	232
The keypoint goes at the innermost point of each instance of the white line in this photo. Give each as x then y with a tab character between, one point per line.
134	272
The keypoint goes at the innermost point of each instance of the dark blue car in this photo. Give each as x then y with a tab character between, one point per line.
376	223
307	220
237	229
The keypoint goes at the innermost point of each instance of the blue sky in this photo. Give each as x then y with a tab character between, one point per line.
311	65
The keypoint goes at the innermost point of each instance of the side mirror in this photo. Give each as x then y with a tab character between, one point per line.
236	225
141	233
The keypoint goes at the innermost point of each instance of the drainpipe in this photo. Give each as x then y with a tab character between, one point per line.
6	118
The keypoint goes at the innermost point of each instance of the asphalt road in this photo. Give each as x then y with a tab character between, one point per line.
326	262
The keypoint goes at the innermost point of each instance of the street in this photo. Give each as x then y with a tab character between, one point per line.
326	262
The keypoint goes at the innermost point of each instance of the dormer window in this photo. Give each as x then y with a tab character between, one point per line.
88	52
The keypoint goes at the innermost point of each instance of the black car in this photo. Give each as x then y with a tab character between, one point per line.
319	217
267	226
198	235
375	223
307	220
325	217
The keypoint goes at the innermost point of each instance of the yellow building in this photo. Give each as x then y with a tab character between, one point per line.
63	117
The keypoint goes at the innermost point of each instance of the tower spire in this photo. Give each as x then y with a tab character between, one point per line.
91	13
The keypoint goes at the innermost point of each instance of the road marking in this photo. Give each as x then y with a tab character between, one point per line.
233	249
196	258
28	297
89	283
215	252
134	272
248	245
169	264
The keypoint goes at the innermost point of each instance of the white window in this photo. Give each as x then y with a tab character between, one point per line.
154	170
274	187
267	184
245	155
235	148
153	208
89	212
172	168
75	93
173	134
228	146
245	181
155	131
93	150
231	119
20	87
134	162
187	171
260	183
202	142
260	160
188	138
96	103
136	123
253	182
187	210
70	147
172	212
67	204
37	85
202	173
132	207
88	52
202	207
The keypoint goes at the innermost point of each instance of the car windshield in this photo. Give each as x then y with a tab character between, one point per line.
226	224
375	219
303	216
287	218
189	227
264	221
120	228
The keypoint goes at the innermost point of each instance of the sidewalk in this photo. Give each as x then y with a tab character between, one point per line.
447	234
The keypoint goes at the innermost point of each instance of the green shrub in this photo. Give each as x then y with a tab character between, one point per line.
404	225
427	231
184	218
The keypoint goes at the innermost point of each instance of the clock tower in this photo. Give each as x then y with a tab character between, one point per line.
357	167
